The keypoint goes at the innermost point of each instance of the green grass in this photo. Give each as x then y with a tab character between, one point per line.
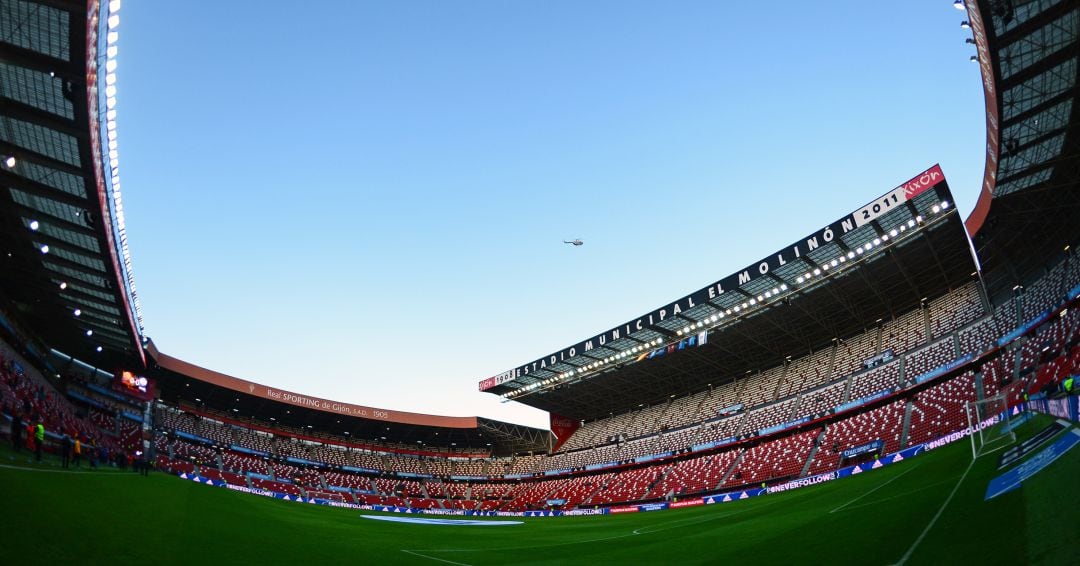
871	518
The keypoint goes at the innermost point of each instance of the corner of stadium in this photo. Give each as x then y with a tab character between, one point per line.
894	387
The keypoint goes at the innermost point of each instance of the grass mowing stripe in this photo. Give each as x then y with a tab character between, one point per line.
876	488
940	510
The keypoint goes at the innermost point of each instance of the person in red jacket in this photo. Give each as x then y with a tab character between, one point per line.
30	435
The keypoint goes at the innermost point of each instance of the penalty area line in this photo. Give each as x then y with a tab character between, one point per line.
875	489
930	525
414	553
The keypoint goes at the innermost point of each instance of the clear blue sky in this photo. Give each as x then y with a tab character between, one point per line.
367	201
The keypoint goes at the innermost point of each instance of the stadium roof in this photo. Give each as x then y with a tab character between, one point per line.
1029	207
874	264
65	271
183	383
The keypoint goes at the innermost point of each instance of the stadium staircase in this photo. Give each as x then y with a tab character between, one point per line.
441	502
906	429
847	389
813	451
731	470
659	478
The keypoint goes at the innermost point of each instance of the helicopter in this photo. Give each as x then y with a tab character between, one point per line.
573	242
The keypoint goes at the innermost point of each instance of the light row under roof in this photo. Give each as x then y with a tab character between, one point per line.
613	359
112	155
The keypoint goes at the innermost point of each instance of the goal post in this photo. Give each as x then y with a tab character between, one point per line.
988	421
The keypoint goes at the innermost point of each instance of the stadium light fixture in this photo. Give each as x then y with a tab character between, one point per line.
965	25
974	58
78	312
936	208
959	5
34	225
63	285
944	204
99	350
45	249
89	332
799	279
9	162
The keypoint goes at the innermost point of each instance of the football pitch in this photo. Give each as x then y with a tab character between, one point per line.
927	510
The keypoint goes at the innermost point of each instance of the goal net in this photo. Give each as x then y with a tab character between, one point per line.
988	420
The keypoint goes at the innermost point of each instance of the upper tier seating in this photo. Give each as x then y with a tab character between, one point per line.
955	309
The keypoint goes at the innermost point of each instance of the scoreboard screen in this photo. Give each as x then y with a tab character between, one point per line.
136	385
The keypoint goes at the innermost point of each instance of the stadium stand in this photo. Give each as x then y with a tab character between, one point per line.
956	309
853	352
940	409
875	381
904	333
883	423
935	355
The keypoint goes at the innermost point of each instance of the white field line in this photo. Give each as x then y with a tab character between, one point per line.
875	489
415	553
930	525
898	496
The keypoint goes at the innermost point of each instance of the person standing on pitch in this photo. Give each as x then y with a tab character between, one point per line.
78	451
39	437
65	451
